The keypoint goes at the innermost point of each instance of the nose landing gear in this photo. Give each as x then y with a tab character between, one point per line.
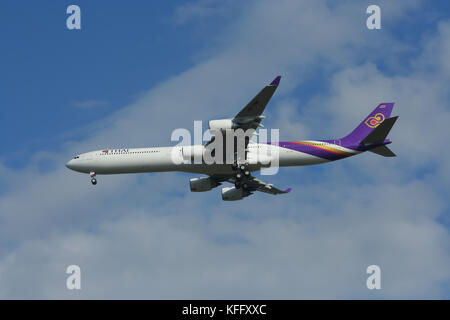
93	180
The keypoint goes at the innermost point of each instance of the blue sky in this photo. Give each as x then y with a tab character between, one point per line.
136	72
120	52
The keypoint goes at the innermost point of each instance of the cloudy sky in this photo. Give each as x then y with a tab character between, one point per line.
134	73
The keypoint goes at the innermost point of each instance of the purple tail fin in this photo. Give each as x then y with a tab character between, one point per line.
383	111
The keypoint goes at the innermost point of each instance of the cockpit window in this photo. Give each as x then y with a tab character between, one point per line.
76	157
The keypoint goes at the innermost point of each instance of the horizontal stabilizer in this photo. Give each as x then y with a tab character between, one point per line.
383	151
380	132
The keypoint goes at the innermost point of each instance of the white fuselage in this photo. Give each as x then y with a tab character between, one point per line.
163	159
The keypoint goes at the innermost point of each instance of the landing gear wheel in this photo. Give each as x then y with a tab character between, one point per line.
242	167
247	173
93	180
245	186
238	175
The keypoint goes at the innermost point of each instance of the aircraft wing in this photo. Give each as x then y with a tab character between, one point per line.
251	115
258	185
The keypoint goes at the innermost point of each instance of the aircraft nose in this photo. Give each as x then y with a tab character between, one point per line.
70	164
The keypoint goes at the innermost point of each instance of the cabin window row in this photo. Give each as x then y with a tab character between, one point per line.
128	152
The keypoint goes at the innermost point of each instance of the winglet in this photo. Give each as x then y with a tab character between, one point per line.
288	190
275	81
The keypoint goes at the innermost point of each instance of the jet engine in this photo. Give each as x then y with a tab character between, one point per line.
232	194
202	184
221	124
192	153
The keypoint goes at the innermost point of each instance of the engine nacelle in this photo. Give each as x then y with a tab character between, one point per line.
221	124
193	152
202	184
232	194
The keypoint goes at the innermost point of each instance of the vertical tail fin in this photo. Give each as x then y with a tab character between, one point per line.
381	112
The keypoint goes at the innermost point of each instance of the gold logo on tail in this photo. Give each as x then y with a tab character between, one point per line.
373	122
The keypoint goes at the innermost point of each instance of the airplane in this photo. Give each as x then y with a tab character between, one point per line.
369	135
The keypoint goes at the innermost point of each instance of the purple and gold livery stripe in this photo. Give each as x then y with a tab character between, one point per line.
322	149
328	148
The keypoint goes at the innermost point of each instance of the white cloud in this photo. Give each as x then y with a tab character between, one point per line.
181	254
147	236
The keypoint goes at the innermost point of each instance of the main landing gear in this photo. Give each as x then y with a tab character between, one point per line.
93	180
238	184
242	172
